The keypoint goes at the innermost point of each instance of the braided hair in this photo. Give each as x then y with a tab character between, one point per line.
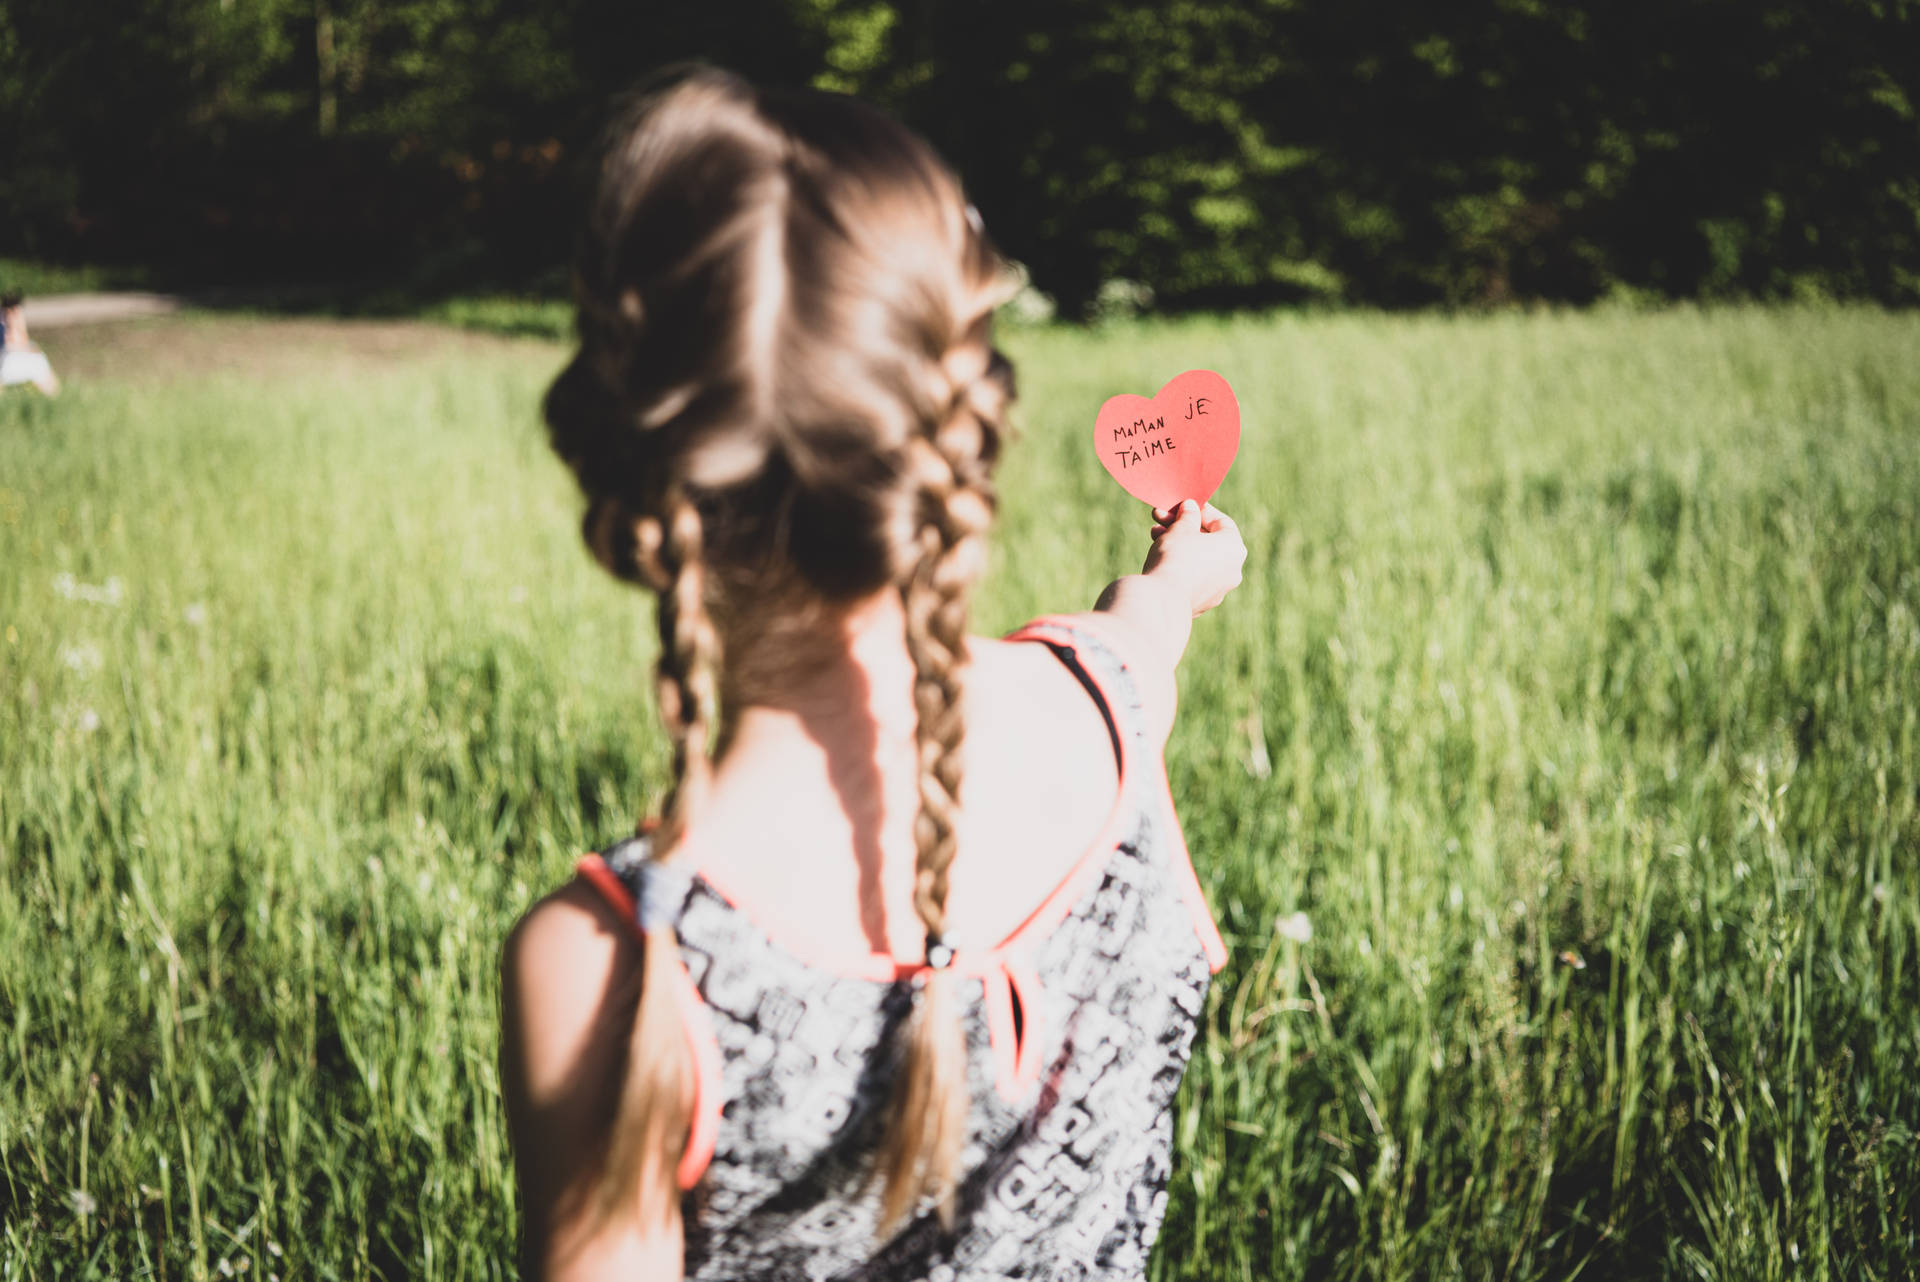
786	397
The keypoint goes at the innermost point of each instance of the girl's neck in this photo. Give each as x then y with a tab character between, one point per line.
846	684
820	757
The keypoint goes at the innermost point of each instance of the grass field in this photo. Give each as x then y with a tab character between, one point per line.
1555	777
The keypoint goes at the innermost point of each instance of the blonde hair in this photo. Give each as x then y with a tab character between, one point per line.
786	397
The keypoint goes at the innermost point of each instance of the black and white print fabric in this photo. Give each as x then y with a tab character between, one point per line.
1067	1181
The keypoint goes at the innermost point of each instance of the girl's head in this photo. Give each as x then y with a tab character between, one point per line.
786	400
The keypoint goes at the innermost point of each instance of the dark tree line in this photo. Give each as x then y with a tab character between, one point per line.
1218	151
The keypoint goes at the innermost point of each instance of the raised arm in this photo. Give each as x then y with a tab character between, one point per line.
1194	562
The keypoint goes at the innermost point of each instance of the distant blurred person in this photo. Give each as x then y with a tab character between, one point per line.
21	360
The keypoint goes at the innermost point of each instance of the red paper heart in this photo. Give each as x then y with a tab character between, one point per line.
1176	446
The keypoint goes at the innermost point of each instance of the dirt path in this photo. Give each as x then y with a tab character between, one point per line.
51	311
158	346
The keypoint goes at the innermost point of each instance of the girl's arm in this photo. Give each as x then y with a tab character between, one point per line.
569	977
1195	561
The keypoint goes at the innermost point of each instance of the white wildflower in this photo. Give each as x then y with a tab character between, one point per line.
84	657
88	722
1297	927
82	1202
69	588
195	615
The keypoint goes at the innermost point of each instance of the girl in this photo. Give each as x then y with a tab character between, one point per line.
824	1020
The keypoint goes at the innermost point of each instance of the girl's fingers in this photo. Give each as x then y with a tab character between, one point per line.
1214	520
1165	518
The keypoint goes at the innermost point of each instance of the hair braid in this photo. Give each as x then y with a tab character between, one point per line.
650	1131
686	680
956	507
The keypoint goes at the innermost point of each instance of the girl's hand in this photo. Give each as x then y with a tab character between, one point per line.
1194	562
1198	552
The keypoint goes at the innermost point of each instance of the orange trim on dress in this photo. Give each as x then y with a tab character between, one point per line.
707	1102
997	1005
1189	886
1023	984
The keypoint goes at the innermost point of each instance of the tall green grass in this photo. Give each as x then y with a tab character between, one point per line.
1566	723
35	276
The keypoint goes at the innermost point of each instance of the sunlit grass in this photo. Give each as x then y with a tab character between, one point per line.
1568	716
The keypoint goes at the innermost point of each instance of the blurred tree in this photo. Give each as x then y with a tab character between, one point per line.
1213	151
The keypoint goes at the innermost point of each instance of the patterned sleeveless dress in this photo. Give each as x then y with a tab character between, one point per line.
1078	1029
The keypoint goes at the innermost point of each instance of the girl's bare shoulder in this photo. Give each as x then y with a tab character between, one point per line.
1024	683
1040	786
1022	689
563	969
